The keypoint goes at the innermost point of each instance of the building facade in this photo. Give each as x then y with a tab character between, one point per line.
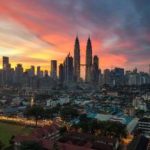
77	60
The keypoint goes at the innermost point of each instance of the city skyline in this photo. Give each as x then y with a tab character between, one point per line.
80	69
37	32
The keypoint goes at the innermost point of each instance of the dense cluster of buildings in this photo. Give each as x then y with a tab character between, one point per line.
69	72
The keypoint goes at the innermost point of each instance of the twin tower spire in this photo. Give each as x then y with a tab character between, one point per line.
77	60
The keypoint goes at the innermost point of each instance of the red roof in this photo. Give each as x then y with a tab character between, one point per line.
25	138
66	146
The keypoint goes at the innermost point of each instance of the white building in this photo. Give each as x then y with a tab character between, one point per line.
60	101
144	126
138	103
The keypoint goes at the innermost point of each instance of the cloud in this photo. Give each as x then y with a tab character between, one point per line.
119	29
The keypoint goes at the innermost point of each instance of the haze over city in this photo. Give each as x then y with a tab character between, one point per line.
74	74
34	32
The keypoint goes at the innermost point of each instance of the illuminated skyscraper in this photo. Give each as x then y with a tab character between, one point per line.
88	61
77	60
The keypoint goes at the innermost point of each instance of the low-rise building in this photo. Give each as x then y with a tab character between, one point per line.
144	126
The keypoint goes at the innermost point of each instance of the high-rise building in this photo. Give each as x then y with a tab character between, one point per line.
46	73
5	62
61	73
6	73
38	71
95	70
88	61
32	71
18	74
54	69
118	76
107	77
77	60
1	76
68	68
96	61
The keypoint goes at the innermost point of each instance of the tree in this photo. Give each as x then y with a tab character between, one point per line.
1	145
83	118
11	141
69	112
55	146
36	112
30	145
103	128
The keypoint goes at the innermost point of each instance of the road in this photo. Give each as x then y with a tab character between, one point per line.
25	121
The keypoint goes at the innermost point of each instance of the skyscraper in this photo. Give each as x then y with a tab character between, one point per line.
61	73
5	62
32	71
118	76
88	60
95	70
68	68
6	71
107	77
18	74
77	60
54	69
38	71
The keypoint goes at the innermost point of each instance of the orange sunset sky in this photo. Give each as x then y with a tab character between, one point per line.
33	32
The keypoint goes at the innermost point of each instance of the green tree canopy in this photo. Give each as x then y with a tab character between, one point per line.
30	145
36	112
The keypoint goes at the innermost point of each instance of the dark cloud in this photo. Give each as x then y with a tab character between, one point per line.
124	25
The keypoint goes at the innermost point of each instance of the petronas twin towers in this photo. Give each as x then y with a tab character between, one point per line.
77	60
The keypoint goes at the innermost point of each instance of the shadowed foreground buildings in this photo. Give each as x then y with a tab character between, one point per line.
51	138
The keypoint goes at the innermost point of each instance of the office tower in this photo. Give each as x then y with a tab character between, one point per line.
6	73
149	70
19	69
18	74
68	68
5	62
96	61
38	71
77	60
31	71
88	61
95	70
118	76
107	77
46	73
1	76
54	69
61	73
